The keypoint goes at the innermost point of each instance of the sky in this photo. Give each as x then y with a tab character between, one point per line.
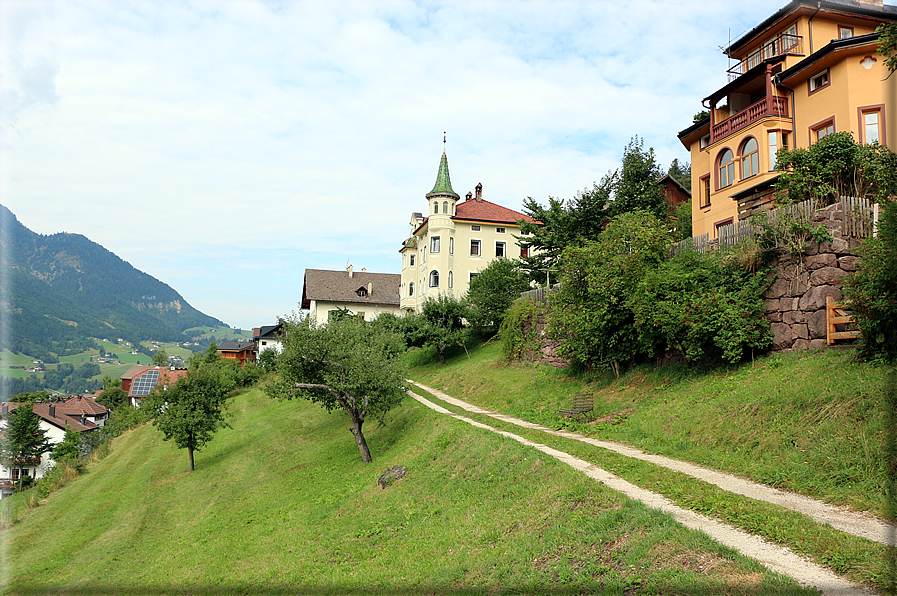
224	147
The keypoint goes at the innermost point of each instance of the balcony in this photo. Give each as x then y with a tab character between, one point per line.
781	45
768	106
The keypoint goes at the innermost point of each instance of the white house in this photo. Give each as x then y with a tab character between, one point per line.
364	294
80	413
268	337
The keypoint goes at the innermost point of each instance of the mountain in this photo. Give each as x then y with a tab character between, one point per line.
58	291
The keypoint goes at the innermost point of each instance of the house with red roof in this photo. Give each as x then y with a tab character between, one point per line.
139	381
454	241
80	413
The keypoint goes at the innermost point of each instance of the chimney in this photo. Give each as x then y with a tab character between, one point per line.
5	408
479	188
469	195
52	411
364	269
349	269
370	288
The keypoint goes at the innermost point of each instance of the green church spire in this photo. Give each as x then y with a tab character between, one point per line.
443	184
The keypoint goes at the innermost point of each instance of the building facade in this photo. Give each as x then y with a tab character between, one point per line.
808	70
364	294
454	241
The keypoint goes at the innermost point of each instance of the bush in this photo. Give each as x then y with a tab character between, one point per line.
518	333
873	290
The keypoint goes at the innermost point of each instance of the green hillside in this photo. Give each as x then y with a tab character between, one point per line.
281	504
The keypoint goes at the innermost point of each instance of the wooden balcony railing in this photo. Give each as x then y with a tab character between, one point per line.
768	106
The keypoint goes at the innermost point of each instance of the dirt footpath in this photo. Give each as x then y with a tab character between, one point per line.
774	557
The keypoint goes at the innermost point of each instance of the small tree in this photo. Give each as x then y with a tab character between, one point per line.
69	448
160	358
25	441
636	186
441	323
346	364
493	291
191	411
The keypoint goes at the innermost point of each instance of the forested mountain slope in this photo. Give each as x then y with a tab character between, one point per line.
63	288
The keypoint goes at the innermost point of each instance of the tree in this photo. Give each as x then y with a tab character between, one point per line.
69	448
191	411
442	323
160	358
347	364
25	440
493	291
873	289
636	186
113	397
837	166
887	45
681	172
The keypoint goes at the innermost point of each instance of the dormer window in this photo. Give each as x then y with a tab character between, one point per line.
361	292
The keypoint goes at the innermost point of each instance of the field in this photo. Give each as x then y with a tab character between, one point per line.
281	504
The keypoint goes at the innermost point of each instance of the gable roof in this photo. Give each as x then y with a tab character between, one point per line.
483	210
165	375
267	331
337	286
51	413
82	405
235	346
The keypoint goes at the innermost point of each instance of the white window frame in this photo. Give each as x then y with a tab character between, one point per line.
474	228
820	80
499	230
504	249
451	245
479	247
435	241
433	278
773	138
450	276
411	260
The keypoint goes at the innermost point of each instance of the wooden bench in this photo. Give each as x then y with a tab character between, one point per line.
582	403
837	315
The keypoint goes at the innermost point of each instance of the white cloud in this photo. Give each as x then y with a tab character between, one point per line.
225	147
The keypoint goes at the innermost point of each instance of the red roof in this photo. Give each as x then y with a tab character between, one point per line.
81	404
52	413
486	211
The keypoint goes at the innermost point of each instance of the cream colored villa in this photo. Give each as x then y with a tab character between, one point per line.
454	241
808	70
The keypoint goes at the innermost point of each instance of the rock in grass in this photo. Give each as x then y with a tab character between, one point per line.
391	475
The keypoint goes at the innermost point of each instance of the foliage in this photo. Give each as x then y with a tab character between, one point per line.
191	411
836	166
69	448
887	44
268	360
545	240
620	302
493	291
703	114
518	333
347	364
160	358
702	306
682	218
113	398
681	172
589	314
441	323
873	289
636	186
24	441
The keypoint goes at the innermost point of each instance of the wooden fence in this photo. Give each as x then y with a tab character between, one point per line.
858	222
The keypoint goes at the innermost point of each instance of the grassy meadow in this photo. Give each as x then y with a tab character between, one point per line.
281	504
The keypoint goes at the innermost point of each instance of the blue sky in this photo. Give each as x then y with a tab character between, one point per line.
225	147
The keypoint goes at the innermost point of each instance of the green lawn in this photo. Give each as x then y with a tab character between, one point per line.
281	504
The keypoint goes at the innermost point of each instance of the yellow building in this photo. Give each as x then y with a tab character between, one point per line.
808	70
454	241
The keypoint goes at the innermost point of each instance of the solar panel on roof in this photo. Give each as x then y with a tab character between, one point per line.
145	383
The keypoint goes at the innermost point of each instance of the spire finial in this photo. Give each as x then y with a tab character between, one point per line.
443	141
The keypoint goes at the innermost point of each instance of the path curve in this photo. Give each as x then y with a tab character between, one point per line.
774	557
840	518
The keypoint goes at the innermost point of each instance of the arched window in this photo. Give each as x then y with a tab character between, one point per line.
750	158
450	279
435	206
445	207
434	279
411	288
726	168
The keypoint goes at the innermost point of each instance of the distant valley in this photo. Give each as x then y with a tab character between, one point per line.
61	293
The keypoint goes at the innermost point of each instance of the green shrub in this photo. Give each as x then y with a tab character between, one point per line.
518	329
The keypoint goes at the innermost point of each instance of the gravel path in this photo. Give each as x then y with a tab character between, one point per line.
776	558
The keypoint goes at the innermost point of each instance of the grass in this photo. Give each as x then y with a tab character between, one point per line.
281	504
806	422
